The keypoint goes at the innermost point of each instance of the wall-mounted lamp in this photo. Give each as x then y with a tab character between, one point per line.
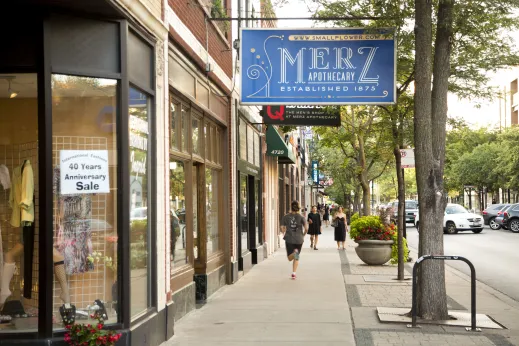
12	94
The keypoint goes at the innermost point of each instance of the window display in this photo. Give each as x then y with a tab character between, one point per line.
84	156
19	226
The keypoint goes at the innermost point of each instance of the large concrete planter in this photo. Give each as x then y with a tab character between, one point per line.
374	252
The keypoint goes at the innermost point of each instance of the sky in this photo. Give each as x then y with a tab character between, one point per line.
477	113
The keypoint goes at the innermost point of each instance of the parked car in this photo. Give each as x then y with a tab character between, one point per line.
490	213
458	219
511	218
499	219
411	209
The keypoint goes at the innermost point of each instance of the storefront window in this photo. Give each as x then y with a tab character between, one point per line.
243	140
140	250
212	179
174	120
177	202
207	138
84	156
257	215
19	230
257	149
250	145
218	147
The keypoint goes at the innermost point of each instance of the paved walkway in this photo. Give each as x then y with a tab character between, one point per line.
333	302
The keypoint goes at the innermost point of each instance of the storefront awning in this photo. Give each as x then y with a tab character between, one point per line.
276	146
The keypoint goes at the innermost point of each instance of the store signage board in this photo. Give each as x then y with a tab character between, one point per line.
84	171
407	158
317	66
301	115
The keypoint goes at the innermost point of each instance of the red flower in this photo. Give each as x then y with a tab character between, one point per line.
99	326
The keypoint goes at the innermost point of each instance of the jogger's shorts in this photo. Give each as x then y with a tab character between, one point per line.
292	247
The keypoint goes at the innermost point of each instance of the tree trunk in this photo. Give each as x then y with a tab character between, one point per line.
363	178
430	120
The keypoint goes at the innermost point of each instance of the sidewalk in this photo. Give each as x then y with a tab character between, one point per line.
333	302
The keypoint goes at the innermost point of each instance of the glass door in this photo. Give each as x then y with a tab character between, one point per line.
244	220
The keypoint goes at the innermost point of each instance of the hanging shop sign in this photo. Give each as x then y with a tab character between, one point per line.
301	115
317	66
84	171
407	158
315	172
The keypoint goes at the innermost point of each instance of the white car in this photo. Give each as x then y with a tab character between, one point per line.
458	219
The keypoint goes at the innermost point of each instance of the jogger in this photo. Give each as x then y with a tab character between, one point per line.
294	227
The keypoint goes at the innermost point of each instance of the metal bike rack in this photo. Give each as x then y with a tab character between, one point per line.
472	288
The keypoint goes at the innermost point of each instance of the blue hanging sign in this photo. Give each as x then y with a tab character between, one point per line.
315	172
318	66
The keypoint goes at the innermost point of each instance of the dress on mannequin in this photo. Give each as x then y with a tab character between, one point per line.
21	200
5	182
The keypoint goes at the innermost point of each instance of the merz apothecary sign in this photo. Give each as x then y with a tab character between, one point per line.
317	66
301	115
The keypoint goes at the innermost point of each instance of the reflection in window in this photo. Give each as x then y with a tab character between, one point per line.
207	137
185	127
195	134
212	190
177	205
85	238
139	194
196	240
256	211
244	220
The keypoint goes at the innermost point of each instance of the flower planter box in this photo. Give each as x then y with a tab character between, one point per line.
374	252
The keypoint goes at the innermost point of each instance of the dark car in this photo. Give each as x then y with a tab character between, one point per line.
490	214
511	218
499	219
411	208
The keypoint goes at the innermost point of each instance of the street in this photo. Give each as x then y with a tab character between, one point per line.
493	253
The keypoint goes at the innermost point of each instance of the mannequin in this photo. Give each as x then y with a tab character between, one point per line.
9	269
21	200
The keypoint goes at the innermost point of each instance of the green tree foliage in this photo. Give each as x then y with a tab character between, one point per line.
482	158
363	143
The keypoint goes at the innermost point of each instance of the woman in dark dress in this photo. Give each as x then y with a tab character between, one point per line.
314	229
326	217
340	230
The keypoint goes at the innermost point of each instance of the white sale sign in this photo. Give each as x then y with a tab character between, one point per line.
407	158
84	171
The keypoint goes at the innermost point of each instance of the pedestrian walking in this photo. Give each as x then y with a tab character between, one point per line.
314	227
294	227
340	228
326	217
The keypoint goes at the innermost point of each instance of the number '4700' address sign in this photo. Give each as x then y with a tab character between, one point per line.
317	66
84	171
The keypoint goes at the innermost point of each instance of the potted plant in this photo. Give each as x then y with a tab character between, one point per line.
79	334
375	239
